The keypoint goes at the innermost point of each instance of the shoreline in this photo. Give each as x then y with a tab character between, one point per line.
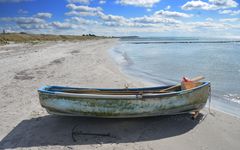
25	124
127	66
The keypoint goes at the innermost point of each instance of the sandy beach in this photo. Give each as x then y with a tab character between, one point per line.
26	125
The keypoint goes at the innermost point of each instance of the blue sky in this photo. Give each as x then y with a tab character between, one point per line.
123	17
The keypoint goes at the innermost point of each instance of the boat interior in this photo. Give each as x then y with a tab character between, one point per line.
123	91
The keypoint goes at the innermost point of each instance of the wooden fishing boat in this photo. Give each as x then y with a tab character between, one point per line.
123	103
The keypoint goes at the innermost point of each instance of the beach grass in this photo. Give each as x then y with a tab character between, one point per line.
35	38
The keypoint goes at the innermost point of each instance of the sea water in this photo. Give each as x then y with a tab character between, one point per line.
166	60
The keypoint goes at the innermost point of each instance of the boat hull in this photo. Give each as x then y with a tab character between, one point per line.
119	106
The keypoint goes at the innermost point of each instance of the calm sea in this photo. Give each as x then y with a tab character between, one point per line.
166	60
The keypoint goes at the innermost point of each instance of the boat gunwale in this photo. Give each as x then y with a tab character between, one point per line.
44	90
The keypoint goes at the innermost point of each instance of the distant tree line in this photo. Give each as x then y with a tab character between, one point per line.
88	35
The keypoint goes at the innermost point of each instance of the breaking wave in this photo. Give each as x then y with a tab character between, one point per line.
121	56
233	97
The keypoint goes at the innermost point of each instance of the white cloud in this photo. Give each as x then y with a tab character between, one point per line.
230	20
207	25
102	1
224	3
155	20
21	11
166	13
28	20
82	10
81	13
111	17
229	12
43	15
195	5
13	1
149	9
79	1
82	21
34	26
211	5
23	20
62	25
159	17
167	7
28	23
113	20
209	19
139	3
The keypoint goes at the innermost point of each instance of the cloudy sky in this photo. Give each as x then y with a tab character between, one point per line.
123	17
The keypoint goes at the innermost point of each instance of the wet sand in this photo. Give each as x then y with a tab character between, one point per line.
26	125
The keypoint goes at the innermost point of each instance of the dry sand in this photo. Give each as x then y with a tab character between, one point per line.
25	125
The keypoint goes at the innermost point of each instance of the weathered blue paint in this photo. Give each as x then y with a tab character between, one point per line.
56	101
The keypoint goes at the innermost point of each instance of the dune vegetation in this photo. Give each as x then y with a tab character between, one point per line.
35	38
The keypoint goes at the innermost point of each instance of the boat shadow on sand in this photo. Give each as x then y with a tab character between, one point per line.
54	130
